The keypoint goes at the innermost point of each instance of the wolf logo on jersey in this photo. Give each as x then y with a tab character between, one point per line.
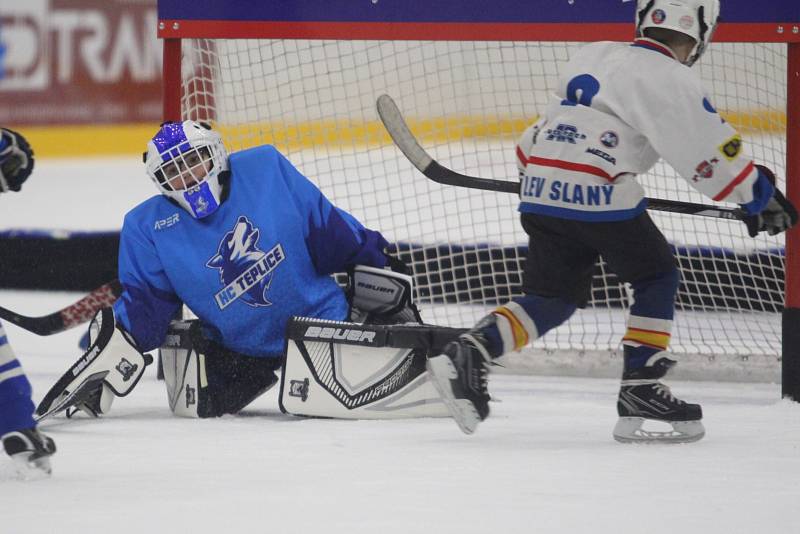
244	269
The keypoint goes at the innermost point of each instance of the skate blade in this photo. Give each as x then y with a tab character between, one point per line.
629	430
30	470
441	372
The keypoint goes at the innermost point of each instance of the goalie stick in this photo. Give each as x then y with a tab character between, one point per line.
401	135
69	317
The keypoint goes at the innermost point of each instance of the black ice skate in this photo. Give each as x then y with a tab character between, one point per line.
460	376
31	451
642	396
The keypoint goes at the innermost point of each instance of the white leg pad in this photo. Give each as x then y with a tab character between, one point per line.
341	370
184	376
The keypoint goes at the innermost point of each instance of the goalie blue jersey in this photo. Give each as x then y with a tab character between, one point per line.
265	255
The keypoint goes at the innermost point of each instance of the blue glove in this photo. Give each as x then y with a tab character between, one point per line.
16	160
778	213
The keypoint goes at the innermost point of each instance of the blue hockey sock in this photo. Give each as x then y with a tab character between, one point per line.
517	323
650	321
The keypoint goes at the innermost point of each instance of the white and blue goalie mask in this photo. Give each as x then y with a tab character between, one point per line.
185	159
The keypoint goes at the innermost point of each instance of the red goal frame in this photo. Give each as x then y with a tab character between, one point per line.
172	30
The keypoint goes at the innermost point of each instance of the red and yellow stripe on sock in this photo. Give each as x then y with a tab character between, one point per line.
516	327
648	331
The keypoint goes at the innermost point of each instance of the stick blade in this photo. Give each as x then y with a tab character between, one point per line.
401	135
41	326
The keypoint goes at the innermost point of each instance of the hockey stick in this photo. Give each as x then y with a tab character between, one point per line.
401	135
69	317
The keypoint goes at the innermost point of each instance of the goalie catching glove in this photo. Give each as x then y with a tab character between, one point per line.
112	366
777	216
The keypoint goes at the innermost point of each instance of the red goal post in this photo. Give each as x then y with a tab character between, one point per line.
507	21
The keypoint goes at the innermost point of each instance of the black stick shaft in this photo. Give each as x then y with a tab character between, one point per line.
432	169
69	317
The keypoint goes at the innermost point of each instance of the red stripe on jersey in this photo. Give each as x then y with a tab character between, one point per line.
654	45
561	164
736	181
521	156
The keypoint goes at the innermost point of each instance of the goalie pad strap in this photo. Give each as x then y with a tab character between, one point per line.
396	336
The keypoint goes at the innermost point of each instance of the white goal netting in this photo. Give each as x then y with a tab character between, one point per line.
467	102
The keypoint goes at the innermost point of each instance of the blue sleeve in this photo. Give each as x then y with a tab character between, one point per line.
762	193
148	303
334	238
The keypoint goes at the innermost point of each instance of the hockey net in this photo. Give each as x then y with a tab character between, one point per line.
467	101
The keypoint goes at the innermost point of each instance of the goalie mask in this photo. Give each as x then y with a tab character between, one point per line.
695	18
185	159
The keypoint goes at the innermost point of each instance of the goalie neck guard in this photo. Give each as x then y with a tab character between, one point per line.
695	18
184	160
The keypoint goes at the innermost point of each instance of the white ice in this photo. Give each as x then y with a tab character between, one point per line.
544	461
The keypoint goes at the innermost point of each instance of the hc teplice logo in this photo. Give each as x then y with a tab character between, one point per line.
244	270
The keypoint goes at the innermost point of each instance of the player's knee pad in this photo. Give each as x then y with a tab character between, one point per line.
380	296
655	296
206	380
663	285
649	324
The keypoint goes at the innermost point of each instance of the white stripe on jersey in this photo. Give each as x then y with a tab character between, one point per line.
11	373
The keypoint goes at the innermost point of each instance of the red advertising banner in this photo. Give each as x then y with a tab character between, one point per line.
79	62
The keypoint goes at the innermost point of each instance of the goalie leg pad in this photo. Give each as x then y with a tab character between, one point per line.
184	371
205	380
353	371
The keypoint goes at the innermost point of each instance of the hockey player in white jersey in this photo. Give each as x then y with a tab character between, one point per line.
618	107
30	448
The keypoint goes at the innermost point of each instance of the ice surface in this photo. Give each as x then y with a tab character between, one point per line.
77	195
544	462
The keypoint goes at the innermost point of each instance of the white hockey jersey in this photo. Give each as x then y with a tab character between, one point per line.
617	108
